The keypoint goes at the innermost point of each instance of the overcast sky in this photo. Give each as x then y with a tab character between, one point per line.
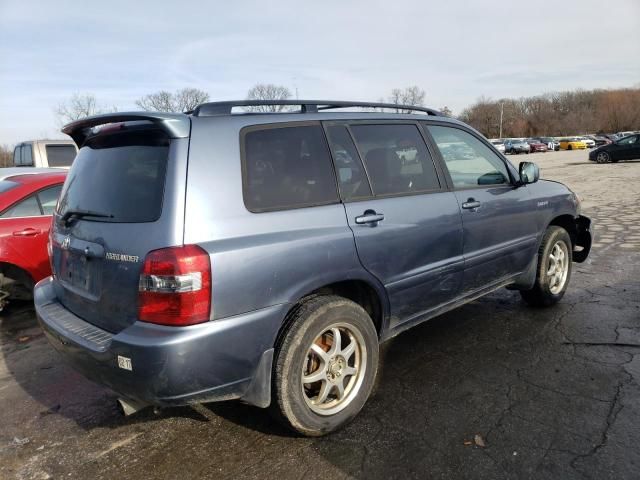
344	50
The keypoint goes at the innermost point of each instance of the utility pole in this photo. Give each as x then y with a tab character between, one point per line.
501	113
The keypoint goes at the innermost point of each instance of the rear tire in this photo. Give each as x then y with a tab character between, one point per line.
319	385
569	147
554	269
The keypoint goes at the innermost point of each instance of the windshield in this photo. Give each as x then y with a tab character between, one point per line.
121	175
6	185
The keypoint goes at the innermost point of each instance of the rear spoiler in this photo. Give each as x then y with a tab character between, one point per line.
177	125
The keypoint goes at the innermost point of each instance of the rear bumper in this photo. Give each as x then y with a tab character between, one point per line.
218	360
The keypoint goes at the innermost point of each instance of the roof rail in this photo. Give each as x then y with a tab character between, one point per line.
306	106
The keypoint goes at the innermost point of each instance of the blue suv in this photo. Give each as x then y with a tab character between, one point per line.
218	255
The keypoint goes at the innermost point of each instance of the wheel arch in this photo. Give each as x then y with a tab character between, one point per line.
371	297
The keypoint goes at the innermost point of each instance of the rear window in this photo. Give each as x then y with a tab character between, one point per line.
287	167
119	174
6	185
60	155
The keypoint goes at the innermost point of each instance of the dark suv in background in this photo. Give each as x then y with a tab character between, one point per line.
263	257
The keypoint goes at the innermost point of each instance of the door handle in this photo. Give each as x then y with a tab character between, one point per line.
27	232
471	204
369	217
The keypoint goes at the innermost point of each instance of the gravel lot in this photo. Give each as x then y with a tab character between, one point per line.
492	390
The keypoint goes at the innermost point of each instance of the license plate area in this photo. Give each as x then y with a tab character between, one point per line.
80	272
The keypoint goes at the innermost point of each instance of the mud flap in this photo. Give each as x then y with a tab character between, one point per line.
259	391
583	239
527	279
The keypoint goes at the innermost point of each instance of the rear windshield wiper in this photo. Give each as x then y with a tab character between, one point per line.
70	215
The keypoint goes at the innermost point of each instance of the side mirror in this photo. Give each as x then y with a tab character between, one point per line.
529	172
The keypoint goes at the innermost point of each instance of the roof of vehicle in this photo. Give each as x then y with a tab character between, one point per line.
59	141
24	171
178	125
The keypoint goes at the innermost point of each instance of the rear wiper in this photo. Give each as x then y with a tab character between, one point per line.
70	215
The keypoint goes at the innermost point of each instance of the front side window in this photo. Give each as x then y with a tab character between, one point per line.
396	158
287	167
469	161
628	140
60	155
25	208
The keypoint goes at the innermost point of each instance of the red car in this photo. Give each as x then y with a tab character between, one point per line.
28	197
537	146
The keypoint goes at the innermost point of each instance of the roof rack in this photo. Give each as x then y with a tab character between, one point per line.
306	106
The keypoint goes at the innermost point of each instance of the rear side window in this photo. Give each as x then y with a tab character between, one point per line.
25	208
396	158
121	175
287	167
60	155
48	199
469	161
351	176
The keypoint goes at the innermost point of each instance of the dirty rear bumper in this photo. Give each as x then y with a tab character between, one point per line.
159	365
583	239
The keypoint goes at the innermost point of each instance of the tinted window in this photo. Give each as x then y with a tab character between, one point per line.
48	199
396	158
469	161
119	174
27	155
351	176
628	140
60	155
287	167
16	156
26	208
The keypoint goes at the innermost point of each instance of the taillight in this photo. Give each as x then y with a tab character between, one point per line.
50	249
175	286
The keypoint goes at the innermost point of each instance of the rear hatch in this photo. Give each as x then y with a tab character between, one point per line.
123	197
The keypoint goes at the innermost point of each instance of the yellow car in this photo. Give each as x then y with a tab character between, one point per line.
572	144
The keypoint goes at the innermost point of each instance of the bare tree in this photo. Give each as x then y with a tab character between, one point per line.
268	91
446	111
79	105
6	156
183	100
413	96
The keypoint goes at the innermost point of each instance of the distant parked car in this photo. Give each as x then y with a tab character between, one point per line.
589	142
550	142
499	144
627	148
27	200
45	153
516	146
572	144
536	145
600	140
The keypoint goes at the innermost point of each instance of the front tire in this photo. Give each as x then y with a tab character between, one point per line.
554	269
325	366
603	157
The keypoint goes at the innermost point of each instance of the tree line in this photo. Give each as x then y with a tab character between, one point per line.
551	114
557	114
